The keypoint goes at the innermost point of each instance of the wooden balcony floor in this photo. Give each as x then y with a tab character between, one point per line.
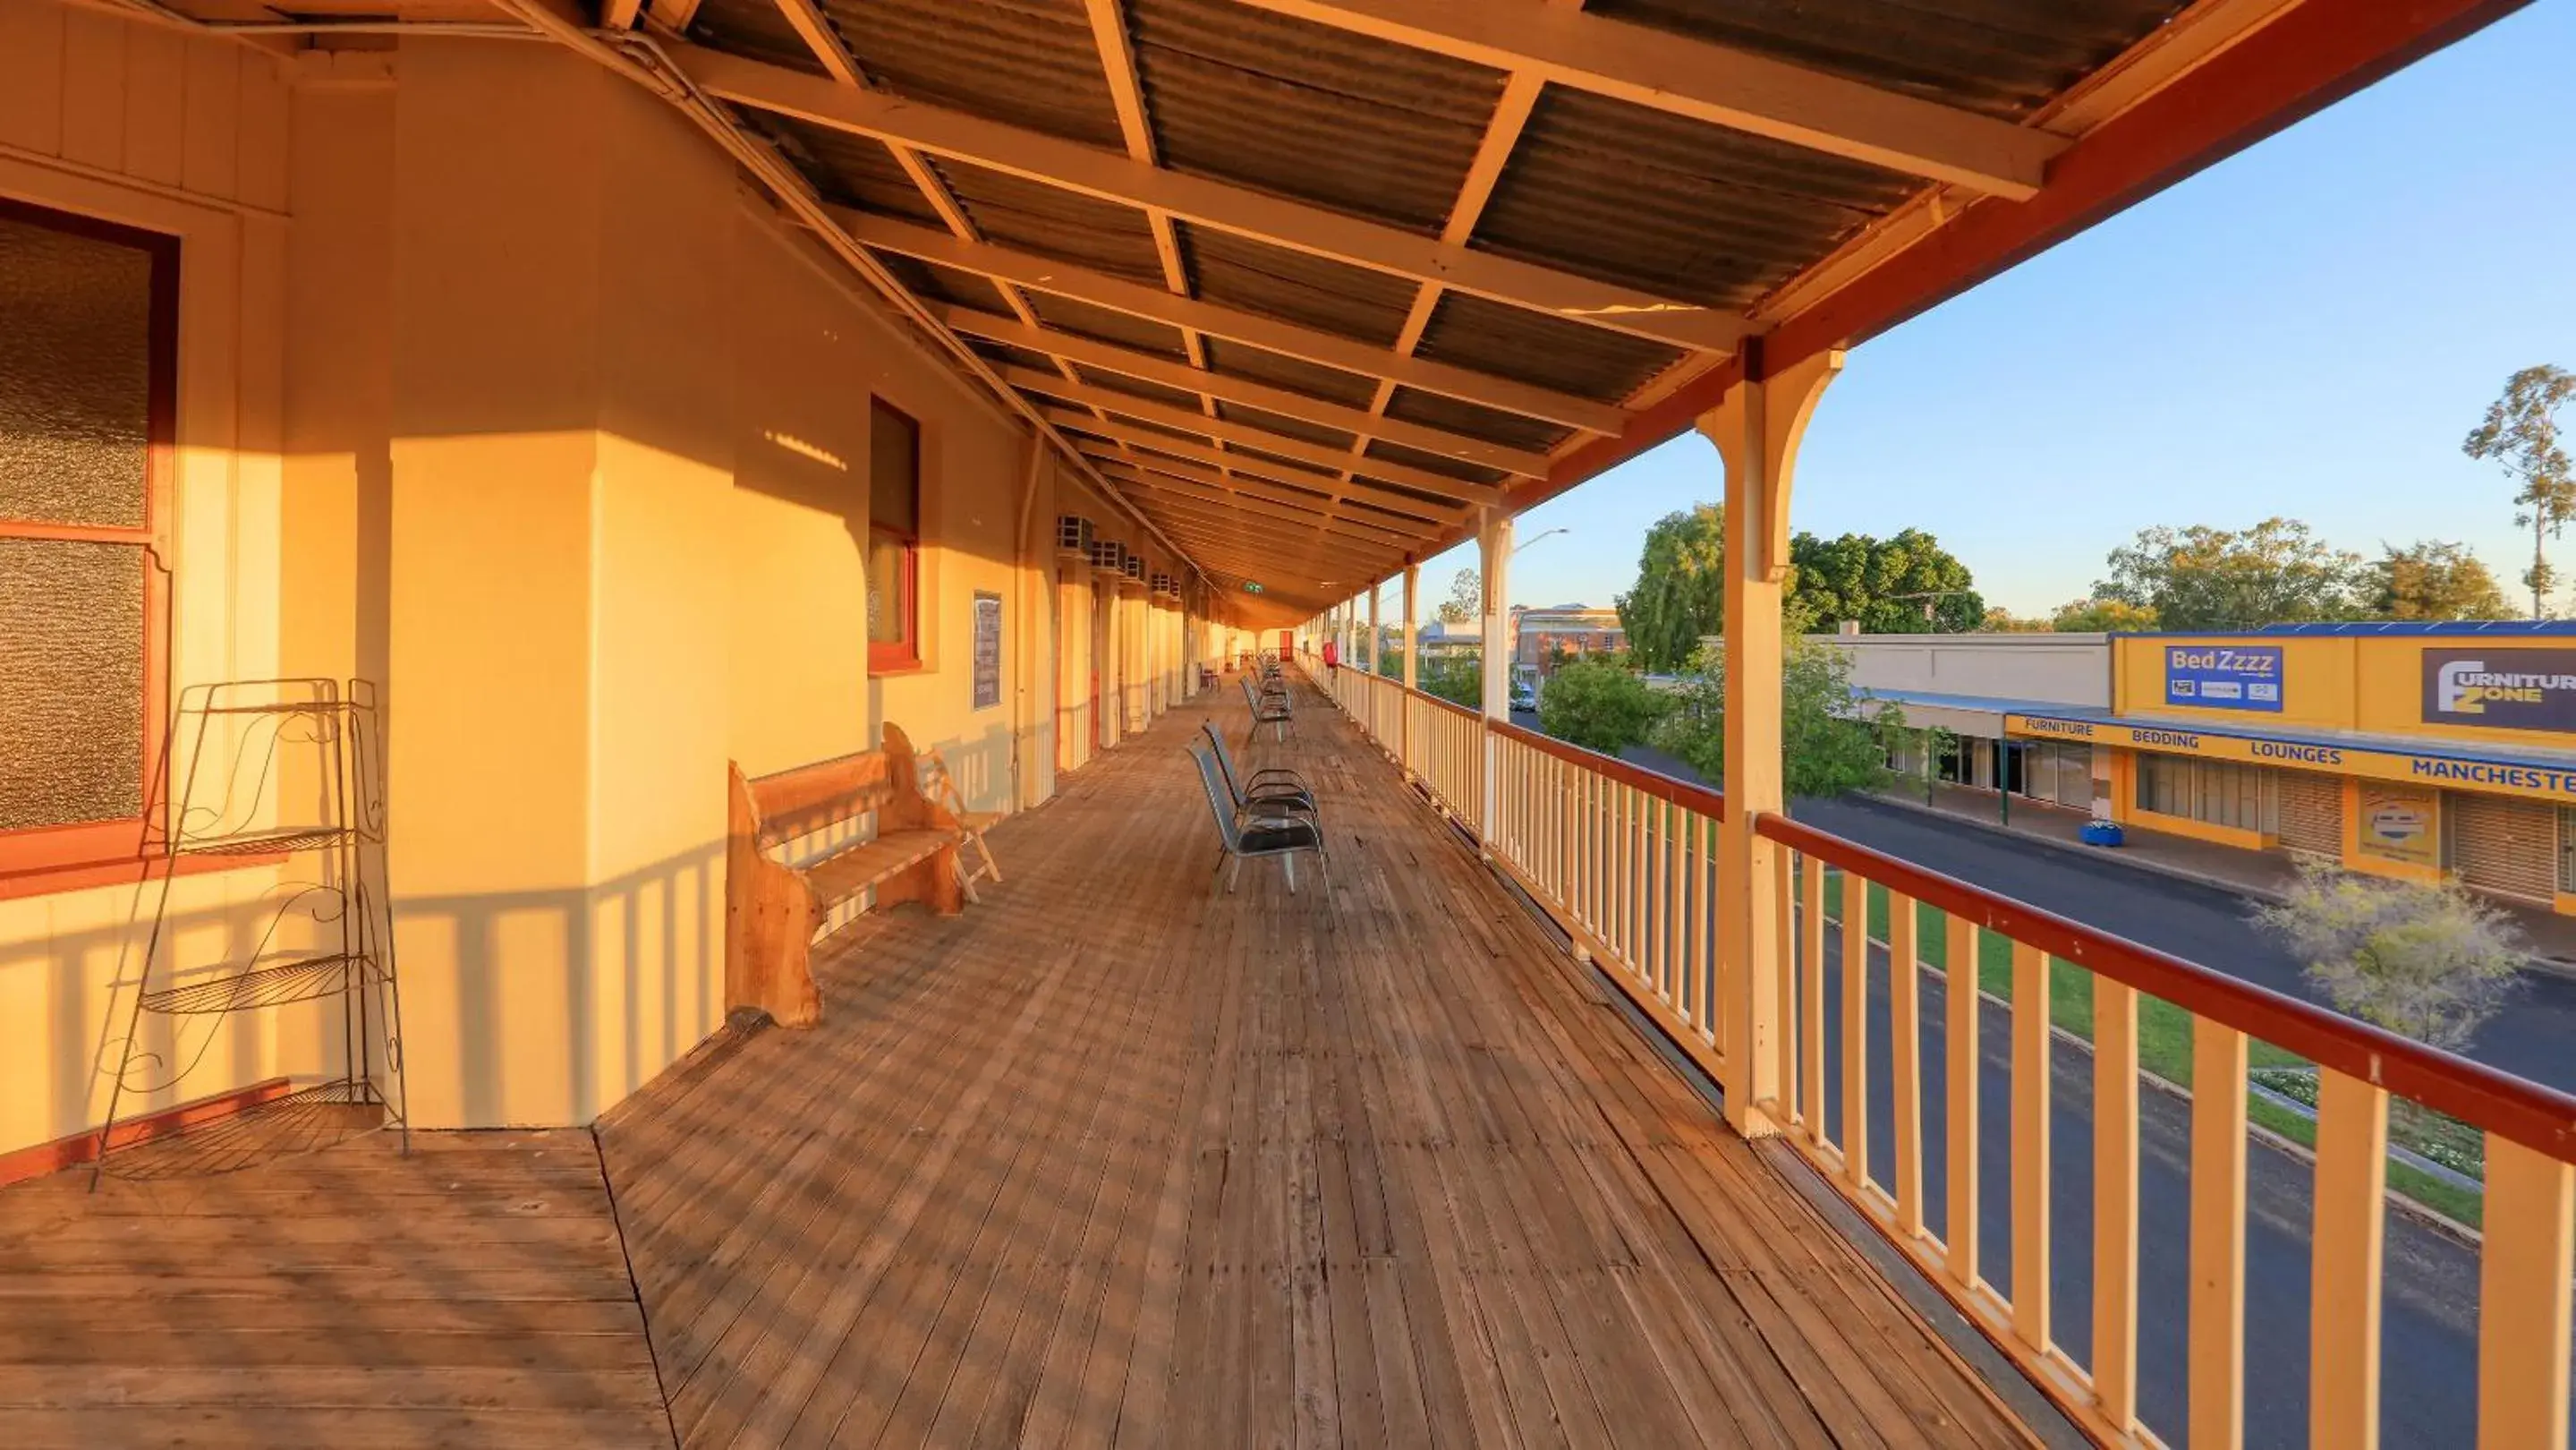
1108	1159
1111	1158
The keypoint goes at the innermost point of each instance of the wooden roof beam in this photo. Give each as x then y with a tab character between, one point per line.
1705	81
1246	486
1064	279
1318	455
1254	549
1135	363
1173	497
1203	201
1145	456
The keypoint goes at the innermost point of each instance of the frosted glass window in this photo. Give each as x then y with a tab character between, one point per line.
71	682
75	376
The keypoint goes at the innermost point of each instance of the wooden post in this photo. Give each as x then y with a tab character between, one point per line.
1756	429
1494	553
1369	648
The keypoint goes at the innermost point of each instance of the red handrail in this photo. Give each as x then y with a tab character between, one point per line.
2538	1117
1637	777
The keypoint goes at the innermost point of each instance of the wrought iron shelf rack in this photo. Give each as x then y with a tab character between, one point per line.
291	769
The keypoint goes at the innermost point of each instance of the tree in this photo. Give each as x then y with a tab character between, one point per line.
2102	616
2433	580
1903	584
1832	742
2000	620
1598	706
1681	588
2520	435
2427	962
2201	578
1466	597
1460	680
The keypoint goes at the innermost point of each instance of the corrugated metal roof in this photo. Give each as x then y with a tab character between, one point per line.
1003	352
2002	57
1308	110
1108	325
945	284
1276	463
1296	286
1549	352
1456	415
856	171
1288	427
1259	365
1136	387
754	28
1178	435
1028	62
1055	222
1433	462
1675	206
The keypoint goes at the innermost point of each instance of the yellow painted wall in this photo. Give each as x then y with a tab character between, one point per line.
497	388
143	125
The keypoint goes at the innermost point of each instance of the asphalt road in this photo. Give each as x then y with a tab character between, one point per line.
2429	1365
2533	1037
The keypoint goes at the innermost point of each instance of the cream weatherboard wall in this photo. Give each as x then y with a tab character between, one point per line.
496	386
140	125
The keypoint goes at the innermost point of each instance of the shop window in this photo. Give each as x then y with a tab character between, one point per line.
2213	792
894	539
87	401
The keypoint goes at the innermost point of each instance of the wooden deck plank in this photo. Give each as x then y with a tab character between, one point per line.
1113	1156
473	1292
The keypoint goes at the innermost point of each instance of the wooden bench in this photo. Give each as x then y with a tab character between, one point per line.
772	909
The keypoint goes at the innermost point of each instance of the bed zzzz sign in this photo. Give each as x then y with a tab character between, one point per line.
2224	676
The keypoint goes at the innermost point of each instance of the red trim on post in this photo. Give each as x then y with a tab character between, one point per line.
82	1147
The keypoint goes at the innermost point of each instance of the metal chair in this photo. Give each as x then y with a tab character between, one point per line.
1269	710
1274	790
1284	837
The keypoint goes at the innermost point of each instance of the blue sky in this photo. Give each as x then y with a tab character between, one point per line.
2308	328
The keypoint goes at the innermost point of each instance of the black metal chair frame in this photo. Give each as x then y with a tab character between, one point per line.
1271	789
1283	837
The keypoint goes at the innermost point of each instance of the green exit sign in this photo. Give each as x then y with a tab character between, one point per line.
1251	586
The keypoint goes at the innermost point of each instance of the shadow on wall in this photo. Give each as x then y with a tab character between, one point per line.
539	1007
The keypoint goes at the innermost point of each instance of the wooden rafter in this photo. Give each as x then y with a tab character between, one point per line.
1152	368
1064	279
1195	466
1204	201
815	29
1221	430
1155	494
1256	548
1708	82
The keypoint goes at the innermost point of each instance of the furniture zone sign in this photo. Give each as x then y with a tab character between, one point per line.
2501	689
2224	676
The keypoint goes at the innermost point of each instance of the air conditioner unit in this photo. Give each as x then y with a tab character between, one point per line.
1106	554
1073	535
1134	563
1162	583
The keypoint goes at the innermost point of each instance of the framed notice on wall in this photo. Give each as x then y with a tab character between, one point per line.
988	650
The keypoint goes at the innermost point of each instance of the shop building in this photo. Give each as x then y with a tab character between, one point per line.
2418	751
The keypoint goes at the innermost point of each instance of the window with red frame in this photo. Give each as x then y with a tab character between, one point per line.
894	539
88	399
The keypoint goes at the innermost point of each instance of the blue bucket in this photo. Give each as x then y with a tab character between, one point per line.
2101	833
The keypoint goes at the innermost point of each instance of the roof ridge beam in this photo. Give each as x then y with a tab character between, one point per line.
1332	349
1203	201
1153	369
1705	81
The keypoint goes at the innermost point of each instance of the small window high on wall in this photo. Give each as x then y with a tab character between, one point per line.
88	399
894	539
